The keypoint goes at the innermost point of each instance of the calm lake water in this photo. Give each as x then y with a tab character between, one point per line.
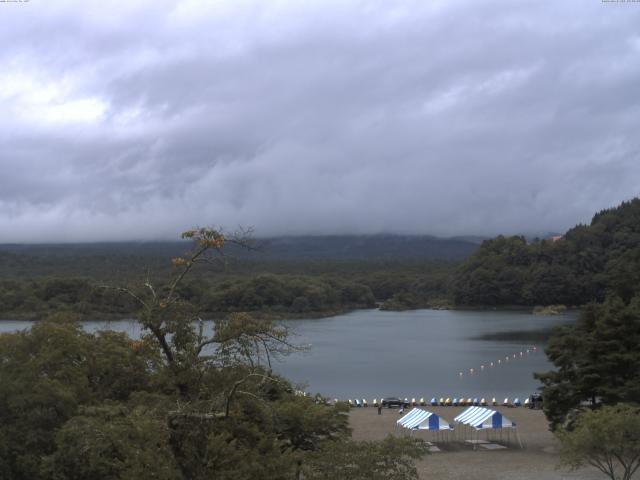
421	353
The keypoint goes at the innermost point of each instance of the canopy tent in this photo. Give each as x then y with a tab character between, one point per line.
422	420
418	419
481	418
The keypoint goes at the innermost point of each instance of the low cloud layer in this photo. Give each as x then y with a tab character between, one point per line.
137	120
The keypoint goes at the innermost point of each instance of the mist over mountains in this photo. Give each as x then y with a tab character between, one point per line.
335	247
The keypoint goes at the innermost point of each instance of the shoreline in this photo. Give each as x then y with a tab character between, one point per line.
277	316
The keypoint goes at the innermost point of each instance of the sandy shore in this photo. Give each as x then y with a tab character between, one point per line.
538	460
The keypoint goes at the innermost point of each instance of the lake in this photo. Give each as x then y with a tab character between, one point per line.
419	353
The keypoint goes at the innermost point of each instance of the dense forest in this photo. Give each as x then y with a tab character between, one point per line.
320	292
415	272
596	359
575	269
36	280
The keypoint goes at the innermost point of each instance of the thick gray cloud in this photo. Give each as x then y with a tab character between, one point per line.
136	120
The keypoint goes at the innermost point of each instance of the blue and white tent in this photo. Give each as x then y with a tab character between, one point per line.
483	418
480	419
418	419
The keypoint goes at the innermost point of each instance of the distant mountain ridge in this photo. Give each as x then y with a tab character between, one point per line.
368	247
298	248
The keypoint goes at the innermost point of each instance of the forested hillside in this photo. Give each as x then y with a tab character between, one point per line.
283	277
311	276
577	268
596	359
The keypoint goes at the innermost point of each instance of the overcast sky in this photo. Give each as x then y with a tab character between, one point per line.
137	120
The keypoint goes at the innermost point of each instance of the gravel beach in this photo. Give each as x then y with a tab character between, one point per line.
538	460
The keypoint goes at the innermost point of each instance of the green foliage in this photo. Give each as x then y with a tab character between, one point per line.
335	288
47	374
305	425
430	290
236	447
607	439
278	293
293	277
266	294
390	459
111	441
177	404
76	405
577	269
596	360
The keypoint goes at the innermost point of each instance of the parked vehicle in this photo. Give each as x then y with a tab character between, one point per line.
391	402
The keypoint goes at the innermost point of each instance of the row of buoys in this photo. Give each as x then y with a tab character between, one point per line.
500	361
444	402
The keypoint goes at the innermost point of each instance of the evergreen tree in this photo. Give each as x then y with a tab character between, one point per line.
597	360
